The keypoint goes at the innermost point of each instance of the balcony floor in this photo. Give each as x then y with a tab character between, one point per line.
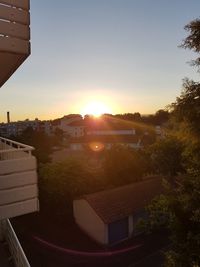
4	257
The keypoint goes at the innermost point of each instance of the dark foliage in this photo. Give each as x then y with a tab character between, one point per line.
187	107
123	165
192	41
166	156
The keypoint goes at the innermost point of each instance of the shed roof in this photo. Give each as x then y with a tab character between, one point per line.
115	204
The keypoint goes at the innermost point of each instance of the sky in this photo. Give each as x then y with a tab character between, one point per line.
122	53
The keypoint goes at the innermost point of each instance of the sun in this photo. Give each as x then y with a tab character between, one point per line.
96	109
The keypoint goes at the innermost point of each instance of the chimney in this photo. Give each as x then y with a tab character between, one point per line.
8	117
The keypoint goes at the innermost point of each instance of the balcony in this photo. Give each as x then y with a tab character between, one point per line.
14	36
18	179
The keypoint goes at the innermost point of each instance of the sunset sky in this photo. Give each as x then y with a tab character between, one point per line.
122	53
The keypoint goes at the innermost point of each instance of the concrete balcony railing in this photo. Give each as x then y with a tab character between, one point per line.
18	179
14	36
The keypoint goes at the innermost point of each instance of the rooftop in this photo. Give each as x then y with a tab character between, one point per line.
115	204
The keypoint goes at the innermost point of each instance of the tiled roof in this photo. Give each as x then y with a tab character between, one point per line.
115	204
79	123
109	125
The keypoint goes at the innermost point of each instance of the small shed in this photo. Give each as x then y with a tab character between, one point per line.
110	216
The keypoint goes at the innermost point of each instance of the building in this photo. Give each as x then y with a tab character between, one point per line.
76	129
104	142
102	133
18	167
110	216
72	125
17	128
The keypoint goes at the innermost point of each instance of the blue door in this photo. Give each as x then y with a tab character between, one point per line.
118	231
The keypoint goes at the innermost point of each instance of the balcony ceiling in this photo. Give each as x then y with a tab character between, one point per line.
14	36
9	64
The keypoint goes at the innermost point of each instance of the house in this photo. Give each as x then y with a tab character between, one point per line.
72	125
76	128
102	133
16	128
66	120
110	216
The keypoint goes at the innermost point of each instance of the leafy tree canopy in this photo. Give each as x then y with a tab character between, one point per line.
192	41
181	204
166	156
123	165
179	211
186	109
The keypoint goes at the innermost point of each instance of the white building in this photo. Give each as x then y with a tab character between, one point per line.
110	216
72	125
75	130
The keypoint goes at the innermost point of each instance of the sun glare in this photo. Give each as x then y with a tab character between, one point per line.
96	109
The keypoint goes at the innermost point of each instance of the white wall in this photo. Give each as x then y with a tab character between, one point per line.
76	131
73	131
18	179
18	187
76	146
17	165
19	208
89	222
13	195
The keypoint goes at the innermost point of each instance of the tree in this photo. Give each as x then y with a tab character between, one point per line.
179	211
40	141
181	203
166	155
123	165
161	116
61	182
185	225
58	137
186	109
192	41
136	117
